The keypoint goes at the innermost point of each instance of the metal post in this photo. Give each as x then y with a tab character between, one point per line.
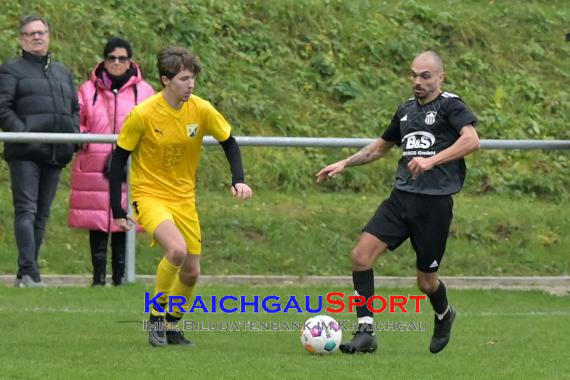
131	235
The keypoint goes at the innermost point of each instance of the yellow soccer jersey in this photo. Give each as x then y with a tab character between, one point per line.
166	143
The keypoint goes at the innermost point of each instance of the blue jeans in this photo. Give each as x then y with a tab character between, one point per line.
33	190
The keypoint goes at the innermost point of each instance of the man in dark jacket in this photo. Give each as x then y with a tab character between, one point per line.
37	94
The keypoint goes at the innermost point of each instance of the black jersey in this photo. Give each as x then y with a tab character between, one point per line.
423	131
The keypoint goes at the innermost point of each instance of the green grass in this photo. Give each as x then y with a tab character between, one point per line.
83	333
312	233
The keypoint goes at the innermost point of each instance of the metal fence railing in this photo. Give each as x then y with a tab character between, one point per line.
317	142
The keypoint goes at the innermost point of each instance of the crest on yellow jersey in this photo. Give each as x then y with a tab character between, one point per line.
192	130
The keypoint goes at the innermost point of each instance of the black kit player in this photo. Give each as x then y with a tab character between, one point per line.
435	130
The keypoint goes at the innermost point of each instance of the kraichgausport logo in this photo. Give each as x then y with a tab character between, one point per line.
336	302
344	325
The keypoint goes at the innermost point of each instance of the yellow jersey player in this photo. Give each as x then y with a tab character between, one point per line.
163	135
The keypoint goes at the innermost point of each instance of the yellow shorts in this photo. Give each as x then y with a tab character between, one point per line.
150	212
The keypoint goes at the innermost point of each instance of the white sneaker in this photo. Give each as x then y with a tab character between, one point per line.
28	282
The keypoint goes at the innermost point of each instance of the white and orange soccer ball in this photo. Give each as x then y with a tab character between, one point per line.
321	335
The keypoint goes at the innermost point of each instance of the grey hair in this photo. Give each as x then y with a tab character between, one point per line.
25	20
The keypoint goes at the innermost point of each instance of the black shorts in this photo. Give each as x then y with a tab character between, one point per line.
425	219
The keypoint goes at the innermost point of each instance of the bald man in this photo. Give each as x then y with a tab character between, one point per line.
435	130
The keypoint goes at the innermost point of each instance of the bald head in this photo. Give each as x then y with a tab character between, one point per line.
429	59
427	76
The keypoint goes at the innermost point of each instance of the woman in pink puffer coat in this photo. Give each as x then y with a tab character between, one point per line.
115	87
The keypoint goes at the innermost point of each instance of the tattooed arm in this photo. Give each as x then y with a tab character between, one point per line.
375	150
371	152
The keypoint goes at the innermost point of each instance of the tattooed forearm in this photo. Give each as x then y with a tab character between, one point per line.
369	153
363	156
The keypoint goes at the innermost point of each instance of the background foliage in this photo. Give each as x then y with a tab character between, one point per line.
338	68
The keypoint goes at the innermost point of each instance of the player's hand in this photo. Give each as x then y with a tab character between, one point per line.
125	224
418	165
241	191
330	171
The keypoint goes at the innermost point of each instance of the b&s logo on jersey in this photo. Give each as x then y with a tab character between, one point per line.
418	140
418	144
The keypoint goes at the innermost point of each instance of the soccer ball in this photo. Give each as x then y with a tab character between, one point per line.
321	335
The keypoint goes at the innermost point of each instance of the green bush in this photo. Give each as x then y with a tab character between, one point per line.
338	68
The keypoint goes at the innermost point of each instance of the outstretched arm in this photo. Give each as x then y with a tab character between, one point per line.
467	142
231	149
372	152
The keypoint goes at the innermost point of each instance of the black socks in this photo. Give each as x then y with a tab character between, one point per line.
363	286
438	299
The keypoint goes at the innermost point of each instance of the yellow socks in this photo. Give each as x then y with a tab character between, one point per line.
181	289
166	276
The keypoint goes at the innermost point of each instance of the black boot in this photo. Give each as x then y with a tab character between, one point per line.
118	248
174	335
363	340
98	243
442	331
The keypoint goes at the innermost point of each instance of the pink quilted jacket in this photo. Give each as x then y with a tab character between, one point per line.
102	111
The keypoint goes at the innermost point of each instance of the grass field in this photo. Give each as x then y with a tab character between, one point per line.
84	333
312	233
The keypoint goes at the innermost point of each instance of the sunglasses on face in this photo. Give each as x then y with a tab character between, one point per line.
114	58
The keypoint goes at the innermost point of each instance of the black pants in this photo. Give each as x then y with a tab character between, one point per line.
33	188
98	242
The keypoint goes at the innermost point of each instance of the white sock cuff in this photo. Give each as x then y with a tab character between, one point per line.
368	320
440	316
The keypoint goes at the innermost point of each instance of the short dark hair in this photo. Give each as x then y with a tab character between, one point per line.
172	60
117	42
25	20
